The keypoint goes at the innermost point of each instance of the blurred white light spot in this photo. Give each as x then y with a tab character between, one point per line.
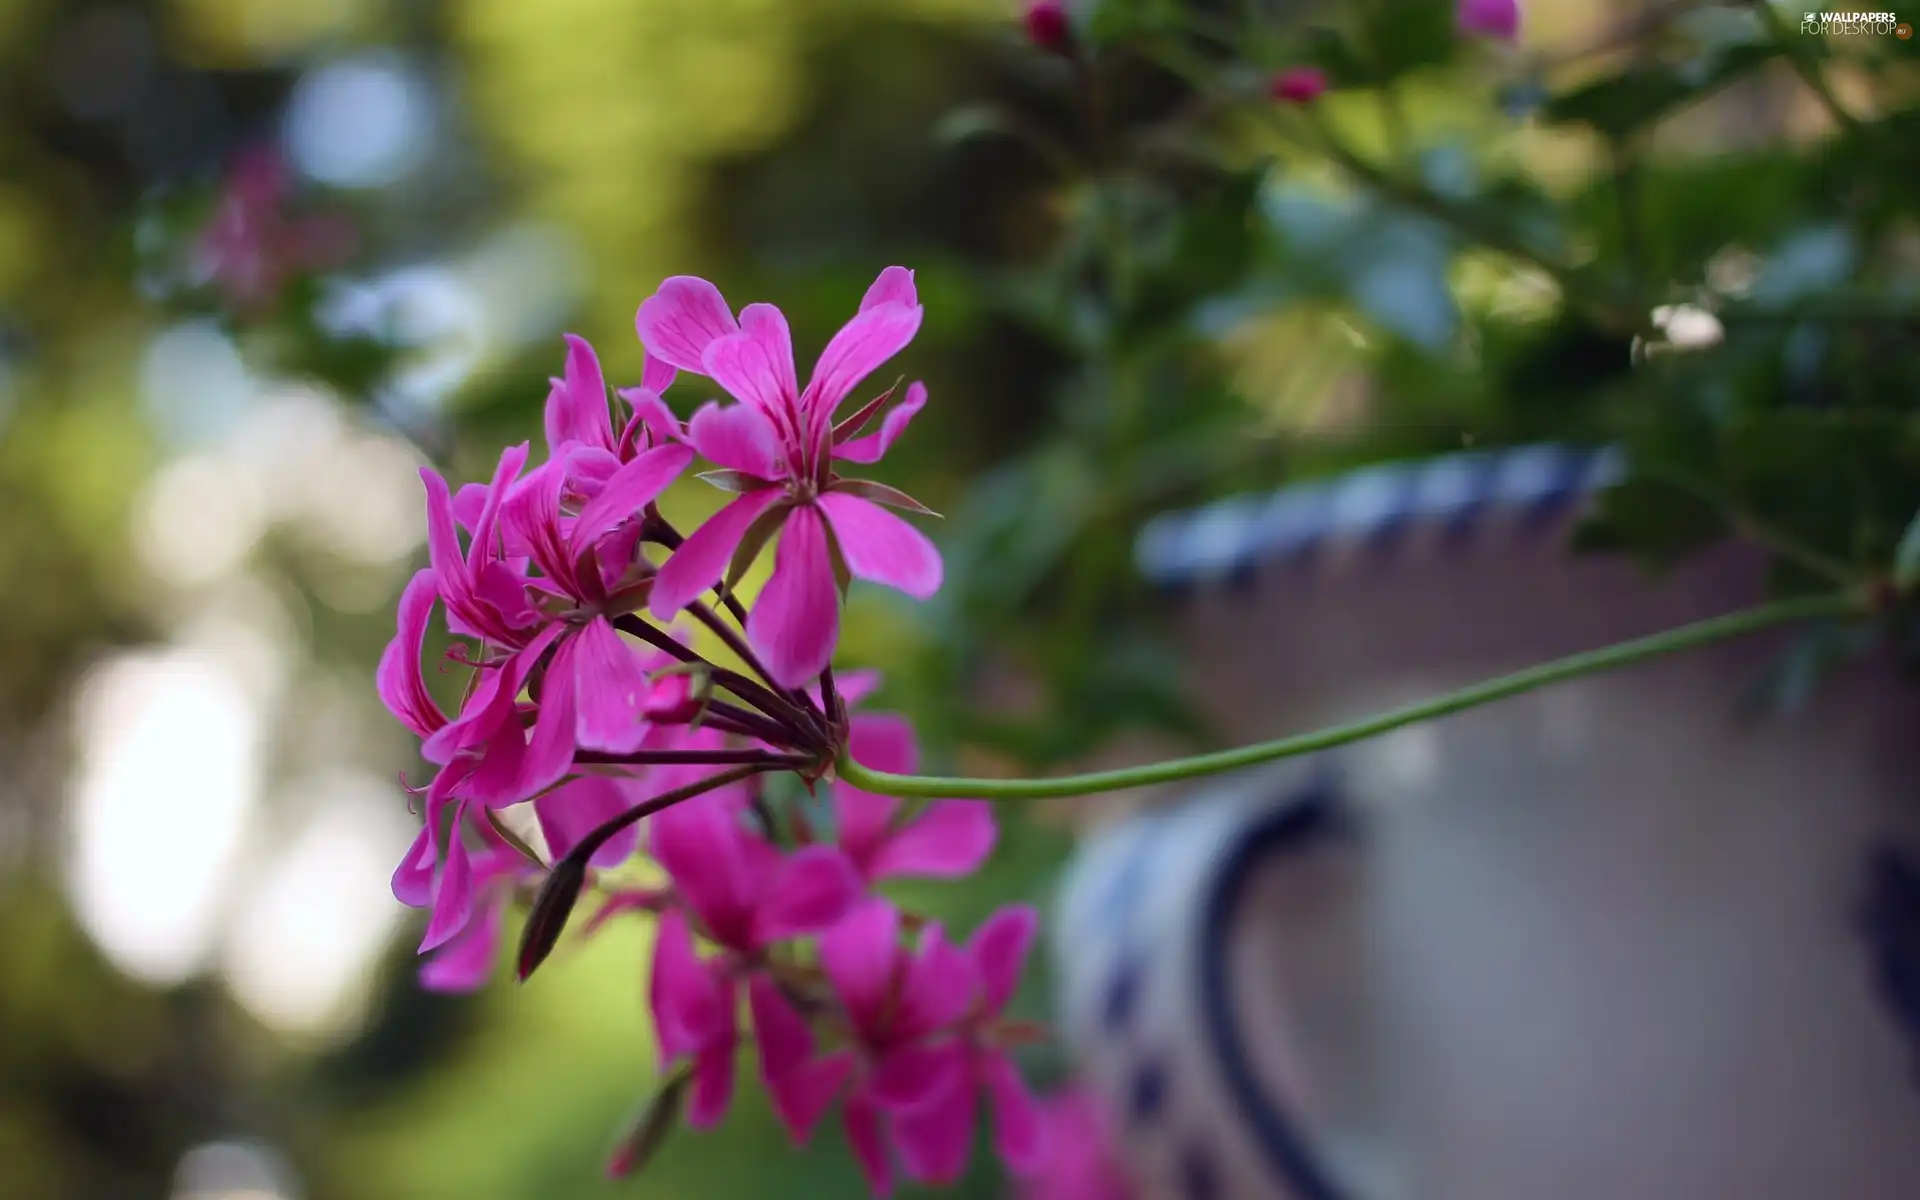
193	383
430	309
319	913
245	629
169	748
361	122
198	521
232	1171
527	278
1687	326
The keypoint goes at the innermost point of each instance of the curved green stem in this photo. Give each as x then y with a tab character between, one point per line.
1621	654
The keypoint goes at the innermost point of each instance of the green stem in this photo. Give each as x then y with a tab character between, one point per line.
1735	624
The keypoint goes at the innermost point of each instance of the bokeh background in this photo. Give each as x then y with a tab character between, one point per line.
209	499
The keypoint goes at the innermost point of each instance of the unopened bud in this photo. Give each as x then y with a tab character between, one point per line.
1299	85
1048	25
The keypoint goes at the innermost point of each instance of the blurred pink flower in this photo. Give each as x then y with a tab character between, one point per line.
1489	18
1049	26
940	1132
1299	85
1080	1163
251	247
777	447
948	839
744	895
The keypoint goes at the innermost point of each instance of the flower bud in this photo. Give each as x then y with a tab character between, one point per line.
1489	18
1299	85
1048	25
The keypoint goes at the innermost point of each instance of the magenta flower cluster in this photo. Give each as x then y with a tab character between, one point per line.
569	598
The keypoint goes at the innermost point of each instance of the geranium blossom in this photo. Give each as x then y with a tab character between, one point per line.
778	448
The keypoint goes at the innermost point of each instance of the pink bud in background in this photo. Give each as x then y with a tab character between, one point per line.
1048	26
1299	85
1489	18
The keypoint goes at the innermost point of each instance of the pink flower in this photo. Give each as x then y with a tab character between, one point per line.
1080	1162
594	692
466	961
900	1006
744	895
940	1132
1299	85
1048	25
778	449
251	247
1489	18
948	839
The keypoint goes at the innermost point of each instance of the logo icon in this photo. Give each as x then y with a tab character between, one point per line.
1903	31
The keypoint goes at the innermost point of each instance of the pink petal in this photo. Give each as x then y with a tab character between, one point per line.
712	1086
443	540
802	1096
577	405
862	1121
870	448
573	810
881	547
549	754
631	489
701	561
651	413
756	364
402	687
588	470
859	955
884	742
948	840
468	503
863	344
814	888
512	459
778	1029
689	1005
453	894
657	375
465	963
738	437
937	989
935	1138
795	623
413	878
894	286
911	1075
702	847
1019	1129
999	951
864	820
678	322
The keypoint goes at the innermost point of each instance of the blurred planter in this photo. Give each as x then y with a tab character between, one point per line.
1597	941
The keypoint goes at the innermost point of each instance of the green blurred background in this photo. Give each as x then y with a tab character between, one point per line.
206	514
